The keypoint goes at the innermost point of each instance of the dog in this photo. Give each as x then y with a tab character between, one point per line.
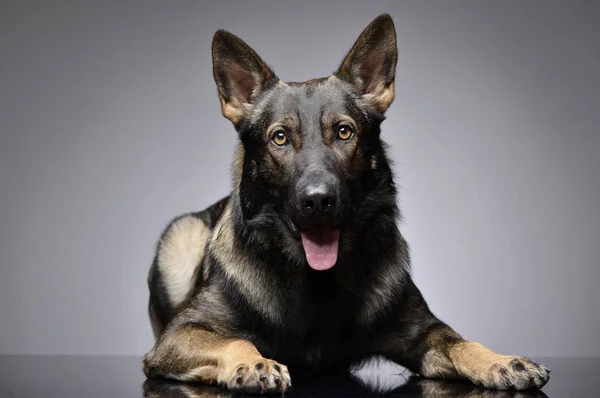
303	264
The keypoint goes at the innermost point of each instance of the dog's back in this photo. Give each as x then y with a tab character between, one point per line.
177	262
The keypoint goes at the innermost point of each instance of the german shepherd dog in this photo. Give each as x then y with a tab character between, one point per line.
303	263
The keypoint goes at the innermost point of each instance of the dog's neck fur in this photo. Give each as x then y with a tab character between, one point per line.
374	246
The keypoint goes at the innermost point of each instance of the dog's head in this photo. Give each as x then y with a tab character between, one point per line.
310	152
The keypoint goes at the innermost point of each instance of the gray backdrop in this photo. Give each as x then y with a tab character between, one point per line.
110	126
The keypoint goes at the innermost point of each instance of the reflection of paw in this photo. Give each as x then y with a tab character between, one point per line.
509	372
263	376
158	388
454	388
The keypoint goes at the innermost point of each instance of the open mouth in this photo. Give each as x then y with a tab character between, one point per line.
320	244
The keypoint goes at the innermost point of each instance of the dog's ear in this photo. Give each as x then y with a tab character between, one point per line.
371	63
240	75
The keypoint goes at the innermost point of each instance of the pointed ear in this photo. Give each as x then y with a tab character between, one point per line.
240	75
371	63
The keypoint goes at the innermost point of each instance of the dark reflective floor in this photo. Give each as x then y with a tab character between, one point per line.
51	376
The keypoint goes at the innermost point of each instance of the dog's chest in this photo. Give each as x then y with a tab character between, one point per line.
316	352
317	333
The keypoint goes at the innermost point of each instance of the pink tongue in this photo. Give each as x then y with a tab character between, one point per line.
321	247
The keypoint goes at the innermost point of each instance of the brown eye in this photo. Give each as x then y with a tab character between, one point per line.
344	132
279	138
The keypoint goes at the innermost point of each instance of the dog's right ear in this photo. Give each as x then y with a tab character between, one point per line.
240	75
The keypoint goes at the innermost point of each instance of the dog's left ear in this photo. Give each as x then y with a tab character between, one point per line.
241	75
371	63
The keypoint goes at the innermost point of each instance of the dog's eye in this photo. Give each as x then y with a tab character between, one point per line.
279	138
344	132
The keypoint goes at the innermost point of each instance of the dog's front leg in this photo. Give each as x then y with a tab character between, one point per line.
429	347
187	352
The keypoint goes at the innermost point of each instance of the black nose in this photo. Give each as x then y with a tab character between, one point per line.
318	199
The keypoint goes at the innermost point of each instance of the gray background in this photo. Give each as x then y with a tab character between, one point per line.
110	126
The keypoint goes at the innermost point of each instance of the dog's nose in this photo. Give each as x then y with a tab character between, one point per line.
318	199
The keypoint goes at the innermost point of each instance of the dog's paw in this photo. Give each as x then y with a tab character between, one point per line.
513	373
262	376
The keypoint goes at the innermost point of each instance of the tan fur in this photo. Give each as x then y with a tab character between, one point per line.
181	251
234	110
212	359
381	97
480	365
238	266
451	357
238	164
437	365
492	370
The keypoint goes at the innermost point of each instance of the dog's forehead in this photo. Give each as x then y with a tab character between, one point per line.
307	100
